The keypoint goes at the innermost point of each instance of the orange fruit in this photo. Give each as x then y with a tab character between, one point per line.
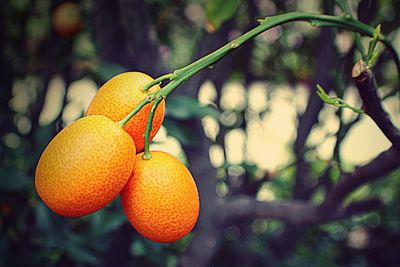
67	19
119	96
85	166
160	199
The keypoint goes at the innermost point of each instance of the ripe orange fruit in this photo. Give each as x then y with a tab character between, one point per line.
67	19
160	199
85	166
119	96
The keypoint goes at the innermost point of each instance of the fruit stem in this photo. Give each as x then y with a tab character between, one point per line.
182	74
159	80
179	76
149	126
148	99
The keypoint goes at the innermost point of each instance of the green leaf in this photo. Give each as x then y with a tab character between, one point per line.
335	101
137	248
184	108
219	11
373	47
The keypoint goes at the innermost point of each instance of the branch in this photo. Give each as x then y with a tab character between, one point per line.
363	206
292	211
367	89
325	61
379	167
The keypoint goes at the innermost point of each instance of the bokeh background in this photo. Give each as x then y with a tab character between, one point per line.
251	125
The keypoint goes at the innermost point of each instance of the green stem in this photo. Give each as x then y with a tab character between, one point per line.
148	99
149	126
159	80
344	6
347	22
181	75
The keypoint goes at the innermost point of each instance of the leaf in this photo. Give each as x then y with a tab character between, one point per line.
43	135
219	11
137	248
80	253
373	45
184	108
43	219
180	132
14	181
105	221
335	101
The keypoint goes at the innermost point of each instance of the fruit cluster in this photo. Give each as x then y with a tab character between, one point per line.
93	159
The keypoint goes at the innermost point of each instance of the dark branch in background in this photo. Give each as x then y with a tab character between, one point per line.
282	245
344	129
367	89
67	76
293	212
121	30
138	34
108	33
208	236
382	165
386	161
325	59
48	54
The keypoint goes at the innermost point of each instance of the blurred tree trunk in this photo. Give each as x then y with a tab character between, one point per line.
127	38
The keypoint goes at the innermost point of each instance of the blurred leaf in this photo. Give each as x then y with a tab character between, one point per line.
43	136
80	253
38	27
219	11
359	194
182	244
84	46
106	71
334	174
104	221
137	248
43	219
184	107
184	134
250	168
155	252
14	181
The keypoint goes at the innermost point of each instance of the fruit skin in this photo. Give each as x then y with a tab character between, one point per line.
119	96
161	199
85	166
67	19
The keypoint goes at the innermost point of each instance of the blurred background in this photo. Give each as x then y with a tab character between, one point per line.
251	125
